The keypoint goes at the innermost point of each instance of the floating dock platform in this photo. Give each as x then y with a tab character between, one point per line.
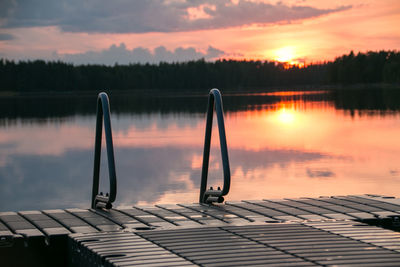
324	231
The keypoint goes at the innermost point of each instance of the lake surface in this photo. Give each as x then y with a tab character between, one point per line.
280	144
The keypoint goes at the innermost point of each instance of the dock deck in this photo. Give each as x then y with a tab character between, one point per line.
343	230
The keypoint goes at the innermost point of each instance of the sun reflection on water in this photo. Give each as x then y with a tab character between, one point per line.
286	116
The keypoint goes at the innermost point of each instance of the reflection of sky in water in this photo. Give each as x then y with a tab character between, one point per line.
288	149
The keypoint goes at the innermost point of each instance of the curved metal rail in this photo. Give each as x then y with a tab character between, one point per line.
103	114
211	195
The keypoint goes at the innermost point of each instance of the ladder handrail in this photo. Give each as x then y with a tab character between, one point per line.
103	114
211	195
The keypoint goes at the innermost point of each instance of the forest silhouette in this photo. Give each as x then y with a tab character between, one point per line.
351	69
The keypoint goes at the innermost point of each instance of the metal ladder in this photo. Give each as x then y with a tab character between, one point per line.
103	114
104	201
215	195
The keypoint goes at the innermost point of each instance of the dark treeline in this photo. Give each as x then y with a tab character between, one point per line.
370	67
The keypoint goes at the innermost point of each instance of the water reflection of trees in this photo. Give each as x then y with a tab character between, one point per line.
46	109
64	106
367	102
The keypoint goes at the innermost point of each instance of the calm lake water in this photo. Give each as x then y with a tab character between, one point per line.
288	144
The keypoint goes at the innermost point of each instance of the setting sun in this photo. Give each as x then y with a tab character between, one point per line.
285	54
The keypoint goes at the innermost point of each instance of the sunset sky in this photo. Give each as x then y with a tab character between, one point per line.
123	31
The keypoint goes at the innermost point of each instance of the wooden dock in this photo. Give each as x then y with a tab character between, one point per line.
343	230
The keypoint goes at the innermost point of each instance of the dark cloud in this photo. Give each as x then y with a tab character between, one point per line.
121	55
6	37
124	16
323	173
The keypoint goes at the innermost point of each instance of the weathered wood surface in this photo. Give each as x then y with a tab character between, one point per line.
285	231
270	244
